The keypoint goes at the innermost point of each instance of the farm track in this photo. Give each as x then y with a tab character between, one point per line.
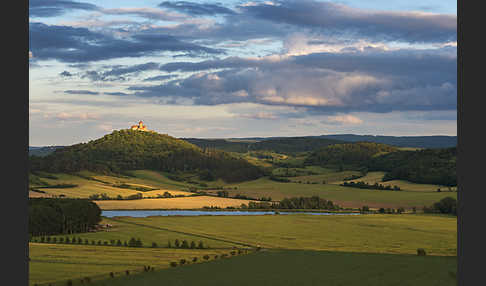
186	233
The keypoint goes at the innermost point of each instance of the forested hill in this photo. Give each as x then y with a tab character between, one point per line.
350	155
131	150
286	145
427	166
400	141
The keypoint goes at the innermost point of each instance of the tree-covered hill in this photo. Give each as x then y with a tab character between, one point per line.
427	166
290	145
284	145
131	150
347	154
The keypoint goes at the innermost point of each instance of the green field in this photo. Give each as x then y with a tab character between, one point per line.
399	234
124	231
344	196
412	195
59	262
286	268
376	177
389	240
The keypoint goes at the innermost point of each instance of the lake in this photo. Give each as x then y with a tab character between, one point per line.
146	213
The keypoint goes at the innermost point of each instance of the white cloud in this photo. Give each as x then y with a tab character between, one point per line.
346	119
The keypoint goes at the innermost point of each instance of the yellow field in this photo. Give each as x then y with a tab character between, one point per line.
86	188
171	203
376	177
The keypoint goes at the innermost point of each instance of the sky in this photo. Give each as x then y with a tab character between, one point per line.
233	69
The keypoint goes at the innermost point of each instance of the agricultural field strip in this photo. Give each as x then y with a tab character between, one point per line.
186	233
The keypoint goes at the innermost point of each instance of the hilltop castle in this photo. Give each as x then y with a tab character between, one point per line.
139	127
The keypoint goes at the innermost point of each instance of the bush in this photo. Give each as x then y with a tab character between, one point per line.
194	259
69	282
127	272
206	257
119	243
182	261
200	245
154	245
112	274
173	264
193	244
185	244
421	252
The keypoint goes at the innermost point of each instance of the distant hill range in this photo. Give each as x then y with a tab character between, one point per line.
310	143
299	144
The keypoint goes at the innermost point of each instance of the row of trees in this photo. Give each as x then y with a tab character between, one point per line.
447	205
66	240
313	202
375	186
48	216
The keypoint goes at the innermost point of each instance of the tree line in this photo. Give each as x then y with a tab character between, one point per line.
313	202
375	186
49	216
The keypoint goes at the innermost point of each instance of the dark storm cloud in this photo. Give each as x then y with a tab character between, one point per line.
53	8
69	44
379	25
66	74
81	92
197	8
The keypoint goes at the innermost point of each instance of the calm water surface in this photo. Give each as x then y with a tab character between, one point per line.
140	213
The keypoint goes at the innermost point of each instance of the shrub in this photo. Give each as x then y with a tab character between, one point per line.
200	245
67	239
177	243
194	259
112	274
105	243
61	239
173	264
215	257
86	241
42	239
54	240
154	245
119	243
80	240
87	279
127	272
182	261
421	252
193	244
185	244
69	282
206	257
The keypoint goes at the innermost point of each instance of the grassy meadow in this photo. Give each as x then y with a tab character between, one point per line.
51	263
395	234
296	267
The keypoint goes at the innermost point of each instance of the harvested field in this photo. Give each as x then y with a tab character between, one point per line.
196	202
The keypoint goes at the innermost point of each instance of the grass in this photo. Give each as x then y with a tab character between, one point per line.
147	234
51	263
196	202
344	196
286	268
376	177
412	195
396	234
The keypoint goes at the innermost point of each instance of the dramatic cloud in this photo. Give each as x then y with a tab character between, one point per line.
338	18
52	8
68	44
321	82
197	8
